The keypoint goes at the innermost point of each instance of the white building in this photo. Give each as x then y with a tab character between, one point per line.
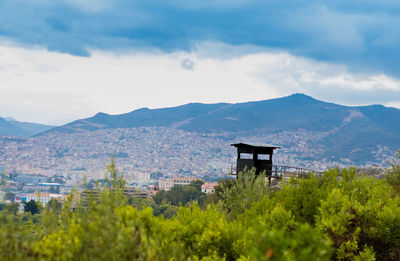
44	198
167	184
209	187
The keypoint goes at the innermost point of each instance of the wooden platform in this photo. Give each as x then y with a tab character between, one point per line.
280	171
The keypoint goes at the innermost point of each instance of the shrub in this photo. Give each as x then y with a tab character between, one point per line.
393	175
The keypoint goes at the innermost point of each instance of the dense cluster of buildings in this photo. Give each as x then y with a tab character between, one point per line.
138	152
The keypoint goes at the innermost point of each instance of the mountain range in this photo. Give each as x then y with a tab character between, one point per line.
294	112
355	133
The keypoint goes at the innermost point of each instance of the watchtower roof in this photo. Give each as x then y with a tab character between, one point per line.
255	148
257	145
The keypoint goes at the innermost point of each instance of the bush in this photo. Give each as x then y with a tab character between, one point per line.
235	196
393	175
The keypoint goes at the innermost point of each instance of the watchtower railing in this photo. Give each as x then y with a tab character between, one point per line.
280	171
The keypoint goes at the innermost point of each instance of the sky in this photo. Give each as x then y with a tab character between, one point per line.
68	59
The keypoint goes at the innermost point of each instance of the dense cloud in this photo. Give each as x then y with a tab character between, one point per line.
54	88
362	34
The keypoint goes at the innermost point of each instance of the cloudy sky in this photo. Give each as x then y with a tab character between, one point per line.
66	59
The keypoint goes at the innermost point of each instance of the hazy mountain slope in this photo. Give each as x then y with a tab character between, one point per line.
293	112
353	133
288	113
169	117
6	128
283	114
12	127
359	140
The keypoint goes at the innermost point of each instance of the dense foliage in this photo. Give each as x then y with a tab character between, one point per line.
181	195
340	216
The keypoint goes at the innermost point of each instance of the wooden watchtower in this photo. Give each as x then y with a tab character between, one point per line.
258	156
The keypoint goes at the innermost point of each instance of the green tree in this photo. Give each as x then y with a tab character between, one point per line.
168	211
175	195
235	196
181	195
197	184
32	207
160	197
12	208
393	175
54	205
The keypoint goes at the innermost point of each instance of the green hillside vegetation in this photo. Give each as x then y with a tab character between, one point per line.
340	216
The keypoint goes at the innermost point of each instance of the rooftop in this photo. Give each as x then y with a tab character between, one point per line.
256	145
209	185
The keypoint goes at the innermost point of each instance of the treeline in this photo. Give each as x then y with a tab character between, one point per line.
167	203
341	216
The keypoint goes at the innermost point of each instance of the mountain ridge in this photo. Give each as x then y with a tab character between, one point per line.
352	132
183	116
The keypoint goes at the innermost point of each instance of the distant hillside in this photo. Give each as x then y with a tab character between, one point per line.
7	128
347	132
283	114
11	127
